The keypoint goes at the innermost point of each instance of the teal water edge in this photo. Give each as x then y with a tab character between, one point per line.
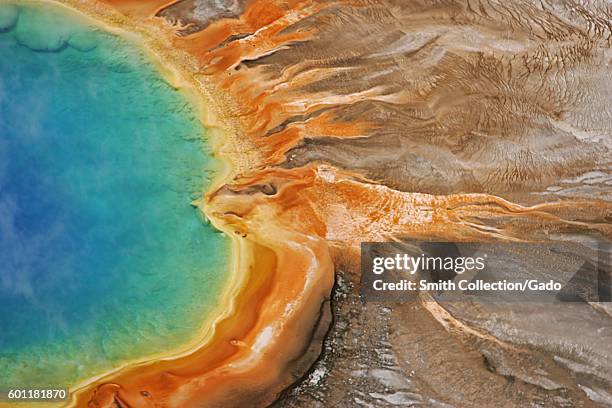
103	259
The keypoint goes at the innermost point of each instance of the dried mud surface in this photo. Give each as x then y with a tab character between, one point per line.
372	120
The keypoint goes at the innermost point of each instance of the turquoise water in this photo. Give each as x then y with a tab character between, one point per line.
103	259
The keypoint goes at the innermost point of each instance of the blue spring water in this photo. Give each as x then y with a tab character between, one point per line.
103	259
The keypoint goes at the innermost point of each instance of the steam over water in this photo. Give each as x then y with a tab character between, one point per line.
103	259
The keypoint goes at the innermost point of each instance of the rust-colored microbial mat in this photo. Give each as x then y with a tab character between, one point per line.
369	120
